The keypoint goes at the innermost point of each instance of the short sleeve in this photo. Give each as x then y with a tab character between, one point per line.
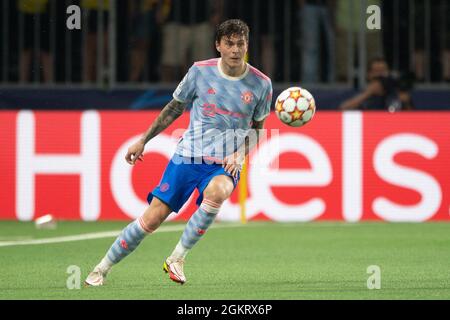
263	108
185	91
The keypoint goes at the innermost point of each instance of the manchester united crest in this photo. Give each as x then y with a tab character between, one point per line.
247	97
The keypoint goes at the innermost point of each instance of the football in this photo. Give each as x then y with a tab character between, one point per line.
295	107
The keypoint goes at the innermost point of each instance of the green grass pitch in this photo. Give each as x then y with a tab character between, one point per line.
316	260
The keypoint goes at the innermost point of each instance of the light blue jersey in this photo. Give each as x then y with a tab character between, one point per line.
223	108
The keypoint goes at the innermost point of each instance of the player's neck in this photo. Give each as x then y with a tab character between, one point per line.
233	72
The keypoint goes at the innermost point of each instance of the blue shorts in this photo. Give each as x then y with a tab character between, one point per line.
181	178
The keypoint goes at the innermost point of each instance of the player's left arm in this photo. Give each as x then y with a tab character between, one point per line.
259	119
233	163
252	140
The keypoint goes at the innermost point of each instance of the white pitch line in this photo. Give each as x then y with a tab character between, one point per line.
15	238
94	235
86	236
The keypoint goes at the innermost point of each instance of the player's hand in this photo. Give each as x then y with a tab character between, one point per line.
135	153
233	163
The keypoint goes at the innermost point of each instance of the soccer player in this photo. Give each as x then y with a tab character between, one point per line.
227	95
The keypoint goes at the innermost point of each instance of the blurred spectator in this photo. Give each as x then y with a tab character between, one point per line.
383	92
264	28
429	30
439	40
261	52
315	17
35	15
347	25
396	33
445	16
188	35
95	8
446	39
267	46
146	18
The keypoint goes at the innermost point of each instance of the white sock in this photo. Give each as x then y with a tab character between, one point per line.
180	251
105	264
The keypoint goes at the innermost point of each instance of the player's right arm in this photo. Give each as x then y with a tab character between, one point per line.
169	114
182	96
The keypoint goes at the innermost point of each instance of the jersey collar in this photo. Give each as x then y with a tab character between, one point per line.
242	76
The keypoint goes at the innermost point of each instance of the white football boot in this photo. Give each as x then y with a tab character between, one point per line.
96	277
174	267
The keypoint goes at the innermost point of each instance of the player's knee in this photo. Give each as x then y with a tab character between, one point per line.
217	194
153	222
219	189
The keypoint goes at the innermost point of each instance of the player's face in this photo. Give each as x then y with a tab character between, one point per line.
232	50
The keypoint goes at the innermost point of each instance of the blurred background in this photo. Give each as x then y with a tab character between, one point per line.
128	56
132	54
73	101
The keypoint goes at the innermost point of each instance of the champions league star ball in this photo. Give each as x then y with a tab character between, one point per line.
295	107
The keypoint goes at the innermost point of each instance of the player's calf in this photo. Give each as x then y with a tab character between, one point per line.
125	243
129	239
194	230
